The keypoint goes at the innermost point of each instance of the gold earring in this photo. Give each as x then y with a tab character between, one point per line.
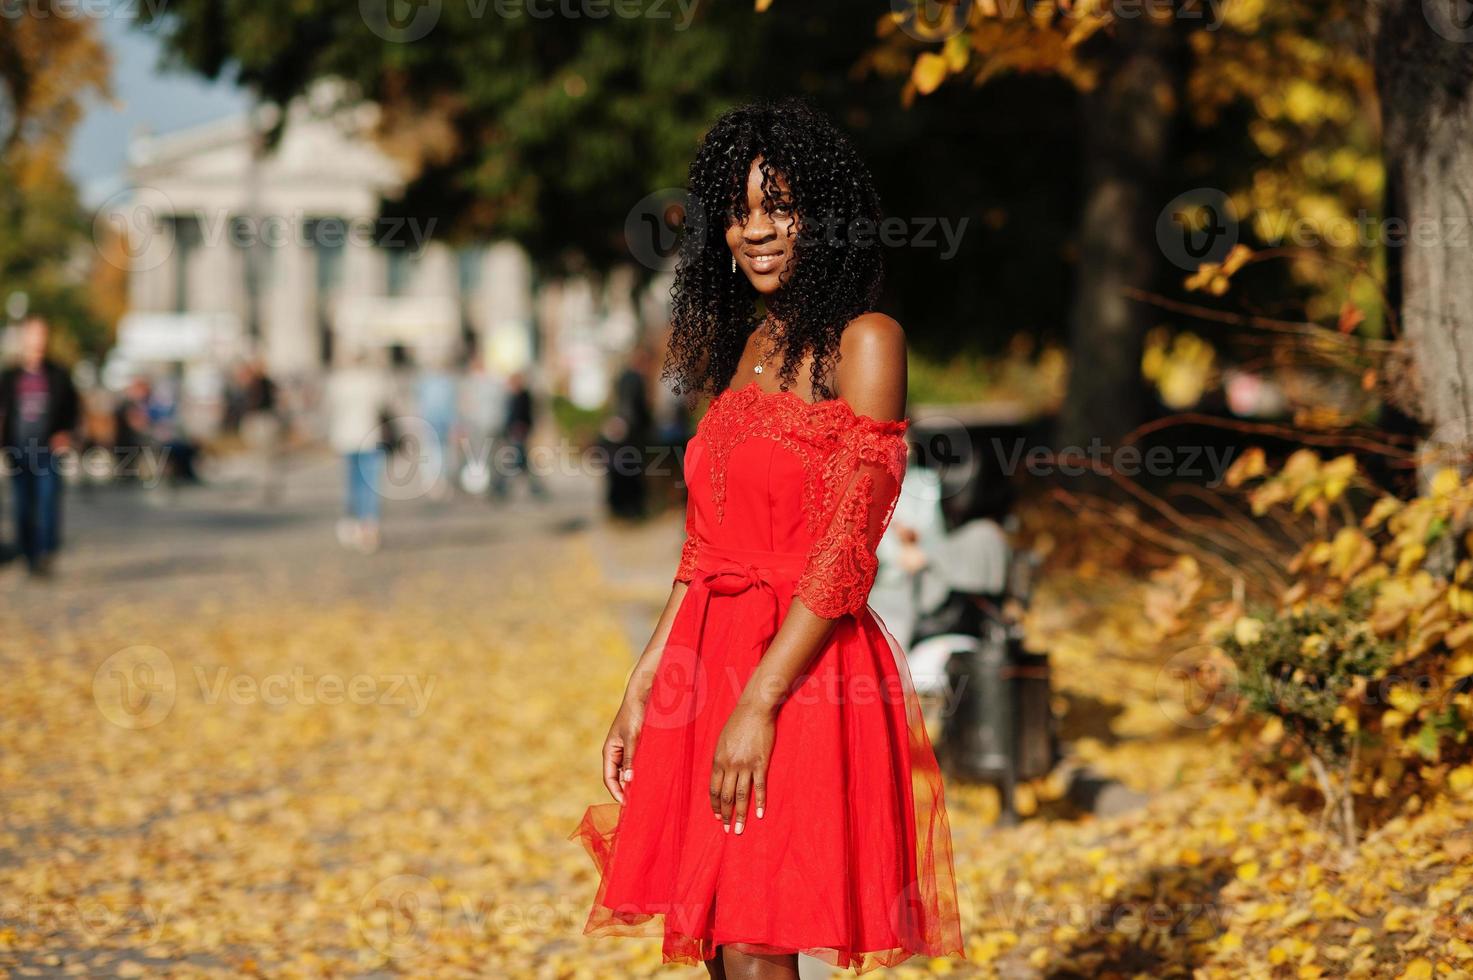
733	264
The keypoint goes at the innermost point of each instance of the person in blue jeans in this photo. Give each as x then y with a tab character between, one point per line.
436	394
364	471
359	397
38	411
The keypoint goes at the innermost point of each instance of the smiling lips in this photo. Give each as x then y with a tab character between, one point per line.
764	263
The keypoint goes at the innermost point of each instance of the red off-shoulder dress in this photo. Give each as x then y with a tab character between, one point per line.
852	860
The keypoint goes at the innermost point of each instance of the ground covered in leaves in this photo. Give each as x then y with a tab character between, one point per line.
326	786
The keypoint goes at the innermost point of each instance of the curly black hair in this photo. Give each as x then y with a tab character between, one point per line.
837	270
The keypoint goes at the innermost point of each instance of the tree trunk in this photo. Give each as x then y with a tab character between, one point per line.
1424	64
1127	121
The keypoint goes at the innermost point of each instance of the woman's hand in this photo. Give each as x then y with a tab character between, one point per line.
739	770
619	744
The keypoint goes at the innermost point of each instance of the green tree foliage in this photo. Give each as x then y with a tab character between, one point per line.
49	62
543	128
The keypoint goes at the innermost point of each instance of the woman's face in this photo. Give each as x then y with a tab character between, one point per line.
763	243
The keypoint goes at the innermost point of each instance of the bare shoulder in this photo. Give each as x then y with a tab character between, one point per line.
871	368
872	335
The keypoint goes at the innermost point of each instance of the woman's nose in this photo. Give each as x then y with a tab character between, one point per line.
759	226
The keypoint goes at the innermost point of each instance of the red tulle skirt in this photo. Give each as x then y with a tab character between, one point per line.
851	862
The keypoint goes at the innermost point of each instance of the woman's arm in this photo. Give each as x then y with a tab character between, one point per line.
618	750
871	378
643	674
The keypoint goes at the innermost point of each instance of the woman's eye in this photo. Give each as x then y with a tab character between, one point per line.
782	208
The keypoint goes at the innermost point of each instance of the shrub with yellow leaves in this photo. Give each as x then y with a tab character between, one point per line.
1180	367
1361	677
1308	672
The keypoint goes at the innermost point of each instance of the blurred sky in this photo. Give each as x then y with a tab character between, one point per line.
145	97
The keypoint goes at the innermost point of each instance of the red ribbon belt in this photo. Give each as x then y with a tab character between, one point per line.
732	571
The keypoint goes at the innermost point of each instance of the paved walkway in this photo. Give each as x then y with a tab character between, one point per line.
158	545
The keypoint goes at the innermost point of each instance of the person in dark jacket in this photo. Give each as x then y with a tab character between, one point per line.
627	436
38	412
515	434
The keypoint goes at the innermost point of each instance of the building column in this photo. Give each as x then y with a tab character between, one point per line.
502	308
364	280
152	266
436	273
290	330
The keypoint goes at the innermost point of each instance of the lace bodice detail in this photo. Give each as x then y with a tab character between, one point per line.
851	466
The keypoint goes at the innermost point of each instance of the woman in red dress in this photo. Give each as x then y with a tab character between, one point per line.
775	788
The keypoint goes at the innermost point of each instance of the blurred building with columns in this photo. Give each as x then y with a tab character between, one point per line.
241	250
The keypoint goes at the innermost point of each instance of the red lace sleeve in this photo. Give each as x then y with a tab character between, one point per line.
861	481
686	570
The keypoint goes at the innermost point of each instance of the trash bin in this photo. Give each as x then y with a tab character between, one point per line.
1001	727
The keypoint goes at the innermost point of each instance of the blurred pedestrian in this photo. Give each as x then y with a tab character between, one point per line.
975	557
236	388
515	434
38	412
672	432
906	584
261	426
626	437
360	430
435	396
167	429
968	569
131	439
483	414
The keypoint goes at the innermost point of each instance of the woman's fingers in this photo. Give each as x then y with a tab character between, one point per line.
728	797
717	777
759	791
613	754
743	791
626	761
